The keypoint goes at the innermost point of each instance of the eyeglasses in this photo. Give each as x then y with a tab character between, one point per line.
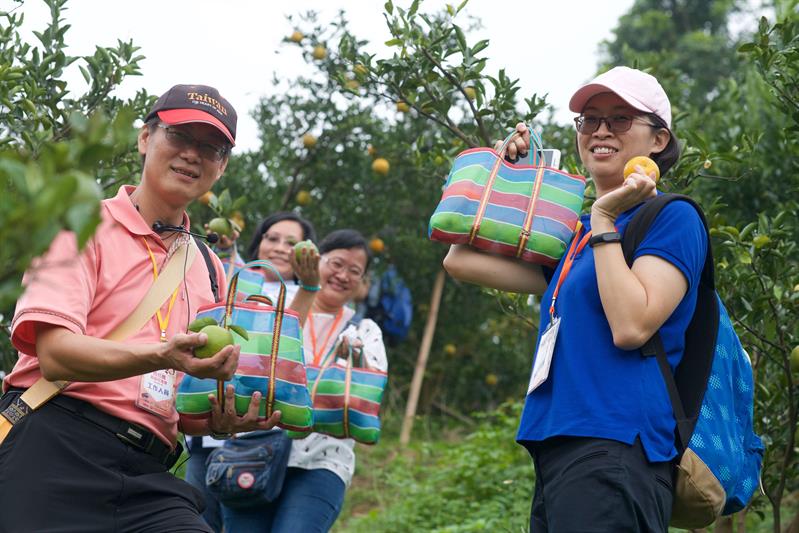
339	267
588	124
181	141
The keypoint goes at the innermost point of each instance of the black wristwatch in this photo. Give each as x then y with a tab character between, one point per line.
604	238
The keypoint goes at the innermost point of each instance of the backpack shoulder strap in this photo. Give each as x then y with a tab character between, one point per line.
686	387
211	267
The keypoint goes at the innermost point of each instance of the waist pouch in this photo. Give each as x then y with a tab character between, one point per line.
248	471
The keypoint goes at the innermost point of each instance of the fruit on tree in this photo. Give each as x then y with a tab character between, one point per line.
377	245
308	140
221	226
381	166
647	164
491	380
218	338
360	70
450	349
403	107
205	199
319	52
303	198
795	359
761	240
470	92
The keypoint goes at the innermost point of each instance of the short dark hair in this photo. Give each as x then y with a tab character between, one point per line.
345	239
308	232
671	153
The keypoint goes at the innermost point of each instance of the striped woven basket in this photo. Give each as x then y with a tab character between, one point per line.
271	360
520	210
346	399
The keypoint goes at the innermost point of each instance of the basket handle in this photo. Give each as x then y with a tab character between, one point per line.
328	360
230	304
536	155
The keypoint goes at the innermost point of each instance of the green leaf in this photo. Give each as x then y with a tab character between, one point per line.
200	323
240	331
393	42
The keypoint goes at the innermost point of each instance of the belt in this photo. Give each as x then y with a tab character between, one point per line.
133	435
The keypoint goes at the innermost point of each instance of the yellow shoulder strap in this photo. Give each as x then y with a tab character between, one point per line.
168	280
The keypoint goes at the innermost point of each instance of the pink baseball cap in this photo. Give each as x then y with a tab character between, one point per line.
637	88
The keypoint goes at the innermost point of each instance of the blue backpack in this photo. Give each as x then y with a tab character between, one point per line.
390	305
712	395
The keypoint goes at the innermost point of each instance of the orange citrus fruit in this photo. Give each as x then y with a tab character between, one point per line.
205	199
647	164
377	245
380	166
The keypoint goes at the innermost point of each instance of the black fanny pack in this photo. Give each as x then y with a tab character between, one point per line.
249	470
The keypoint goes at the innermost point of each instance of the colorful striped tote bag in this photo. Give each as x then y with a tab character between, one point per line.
346	399
271	360
519	210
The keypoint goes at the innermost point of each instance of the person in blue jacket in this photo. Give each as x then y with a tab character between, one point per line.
597	419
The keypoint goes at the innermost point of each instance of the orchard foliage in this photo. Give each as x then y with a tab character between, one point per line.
57	149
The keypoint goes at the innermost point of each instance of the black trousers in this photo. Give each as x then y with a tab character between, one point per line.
588	485
60	472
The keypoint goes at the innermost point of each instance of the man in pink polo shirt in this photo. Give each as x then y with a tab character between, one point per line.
96	457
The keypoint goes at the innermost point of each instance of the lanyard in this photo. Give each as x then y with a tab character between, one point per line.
162	323
574	249
317	354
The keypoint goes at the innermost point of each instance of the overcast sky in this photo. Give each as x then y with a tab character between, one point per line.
550	45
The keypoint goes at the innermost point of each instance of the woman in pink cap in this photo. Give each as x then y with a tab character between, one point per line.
597	419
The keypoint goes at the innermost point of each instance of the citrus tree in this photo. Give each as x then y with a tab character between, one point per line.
58	150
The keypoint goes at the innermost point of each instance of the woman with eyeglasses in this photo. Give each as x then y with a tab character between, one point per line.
273	241
600	422
320	467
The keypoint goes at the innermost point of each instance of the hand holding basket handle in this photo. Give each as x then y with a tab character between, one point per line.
517	144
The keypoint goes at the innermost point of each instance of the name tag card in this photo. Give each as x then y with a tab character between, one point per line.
543	357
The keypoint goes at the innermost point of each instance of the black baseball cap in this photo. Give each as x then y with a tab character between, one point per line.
183	104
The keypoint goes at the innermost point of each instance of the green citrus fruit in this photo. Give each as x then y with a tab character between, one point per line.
221	226
795	359
218	338
302	245
761	240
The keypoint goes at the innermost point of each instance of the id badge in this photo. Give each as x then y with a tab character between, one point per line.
543	357
157	391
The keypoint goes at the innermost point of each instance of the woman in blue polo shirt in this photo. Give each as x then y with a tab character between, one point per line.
599	424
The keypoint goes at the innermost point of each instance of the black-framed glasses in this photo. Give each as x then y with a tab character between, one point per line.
181	141
588	124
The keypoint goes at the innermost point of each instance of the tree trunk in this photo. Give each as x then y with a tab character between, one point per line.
421	361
